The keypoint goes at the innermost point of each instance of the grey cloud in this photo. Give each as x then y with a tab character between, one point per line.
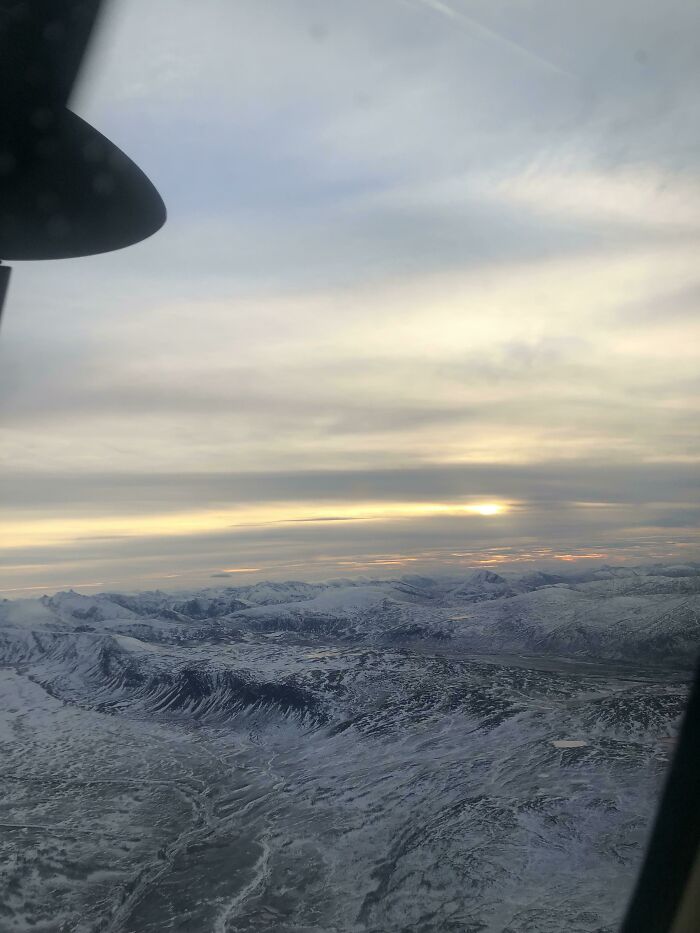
289	141
550	386
676	305
86	393
322	518
556	482
290	172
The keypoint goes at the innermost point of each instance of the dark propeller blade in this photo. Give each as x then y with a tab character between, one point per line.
65	190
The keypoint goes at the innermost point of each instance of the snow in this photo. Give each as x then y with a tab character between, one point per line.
482	751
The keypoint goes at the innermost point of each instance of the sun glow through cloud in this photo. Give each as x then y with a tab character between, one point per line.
487	508
33	531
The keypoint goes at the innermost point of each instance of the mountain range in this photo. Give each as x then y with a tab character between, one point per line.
461	753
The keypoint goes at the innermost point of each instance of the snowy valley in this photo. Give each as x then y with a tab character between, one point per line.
479	753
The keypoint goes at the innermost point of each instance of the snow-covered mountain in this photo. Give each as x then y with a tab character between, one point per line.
646	615
460	753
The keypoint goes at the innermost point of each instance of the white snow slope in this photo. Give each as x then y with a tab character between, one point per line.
457	754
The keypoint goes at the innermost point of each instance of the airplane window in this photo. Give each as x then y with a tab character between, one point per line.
349	541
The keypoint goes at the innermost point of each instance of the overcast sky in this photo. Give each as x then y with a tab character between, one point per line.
421	257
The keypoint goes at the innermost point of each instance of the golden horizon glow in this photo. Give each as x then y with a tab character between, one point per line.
240	570
57	531
275	570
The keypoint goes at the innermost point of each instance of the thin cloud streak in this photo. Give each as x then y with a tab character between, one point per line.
477	28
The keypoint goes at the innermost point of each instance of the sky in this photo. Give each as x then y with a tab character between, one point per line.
426	300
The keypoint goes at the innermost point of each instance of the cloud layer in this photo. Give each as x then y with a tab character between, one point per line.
416	252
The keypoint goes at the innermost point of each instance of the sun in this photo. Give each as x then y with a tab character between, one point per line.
487	508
